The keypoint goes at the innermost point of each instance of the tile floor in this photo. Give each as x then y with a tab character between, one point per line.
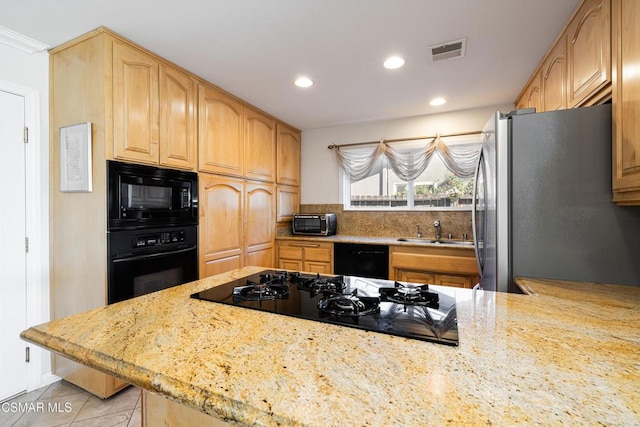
63	404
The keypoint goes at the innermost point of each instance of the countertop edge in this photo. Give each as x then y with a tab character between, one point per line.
162	385
372	240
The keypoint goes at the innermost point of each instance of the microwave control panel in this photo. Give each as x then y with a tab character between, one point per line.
158	239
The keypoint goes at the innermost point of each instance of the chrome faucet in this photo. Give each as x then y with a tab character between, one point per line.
419	234
436	224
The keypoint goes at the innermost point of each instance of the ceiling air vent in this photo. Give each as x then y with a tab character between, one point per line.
449	50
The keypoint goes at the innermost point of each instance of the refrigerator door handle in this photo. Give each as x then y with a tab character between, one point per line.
474	213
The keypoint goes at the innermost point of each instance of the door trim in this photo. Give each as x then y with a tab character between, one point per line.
37	228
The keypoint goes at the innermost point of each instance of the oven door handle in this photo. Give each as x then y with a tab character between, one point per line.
155	255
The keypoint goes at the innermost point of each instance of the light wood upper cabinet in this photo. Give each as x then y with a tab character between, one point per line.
220	234
260	146
221	132
577	69
287	202
589	52
554	82
534	92
154	116
288	155
135	105
626	102
530	97
178	122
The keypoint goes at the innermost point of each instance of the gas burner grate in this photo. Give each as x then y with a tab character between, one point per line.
410	294
349	305
260	291
320	284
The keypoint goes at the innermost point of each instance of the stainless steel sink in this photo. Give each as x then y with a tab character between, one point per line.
441	241
415	240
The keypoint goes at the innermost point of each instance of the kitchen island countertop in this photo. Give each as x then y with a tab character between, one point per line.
566	353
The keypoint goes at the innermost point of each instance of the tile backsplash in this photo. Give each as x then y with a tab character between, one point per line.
395	224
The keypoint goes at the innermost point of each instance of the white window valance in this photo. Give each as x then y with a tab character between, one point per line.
407	163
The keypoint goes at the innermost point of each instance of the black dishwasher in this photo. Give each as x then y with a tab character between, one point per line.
357	259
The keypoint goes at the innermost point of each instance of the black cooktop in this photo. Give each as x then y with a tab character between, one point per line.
410	310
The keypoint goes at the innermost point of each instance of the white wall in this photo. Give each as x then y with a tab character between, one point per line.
32	71
320	172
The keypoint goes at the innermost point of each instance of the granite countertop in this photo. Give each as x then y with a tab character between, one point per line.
568	353
344	238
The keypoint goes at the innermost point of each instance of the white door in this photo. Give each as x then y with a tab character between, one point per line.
13	284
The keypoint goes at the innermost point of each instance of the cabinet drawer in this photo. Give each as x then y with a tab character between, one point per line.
317	254
290	252
457	281
290	264
317	267
415	277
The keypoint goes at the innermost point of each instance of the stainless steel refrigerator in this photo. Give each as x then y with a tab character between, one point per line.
543	201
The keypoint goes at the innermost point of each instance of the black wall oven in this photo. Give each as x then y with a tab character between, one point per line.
152	229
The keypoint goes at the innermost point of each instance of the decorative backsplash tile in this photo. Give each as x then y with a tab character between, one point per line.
395	224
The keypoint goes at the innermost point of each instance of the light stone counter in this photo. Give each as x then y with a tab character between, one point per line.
569	353
344	238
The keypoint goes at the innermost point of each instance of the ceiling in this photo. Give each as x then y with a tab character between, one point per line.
254	49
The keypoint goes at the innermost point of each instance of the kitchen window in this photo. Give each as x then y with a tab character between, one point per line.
436	188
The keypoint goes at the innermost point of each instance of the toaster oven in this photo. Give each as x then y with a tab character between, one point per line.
315	224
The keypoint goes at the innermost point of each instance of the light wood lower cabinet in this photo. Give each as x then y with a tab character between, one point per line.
303	255
95	382
160	411
433	265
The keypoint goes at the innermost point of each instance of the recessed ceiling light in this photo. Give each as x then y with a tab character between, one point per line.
393	62
437	101
303	82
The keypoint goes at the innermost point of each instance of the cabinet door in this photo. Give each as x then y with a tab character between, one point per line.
260	225
626	102
135	105
288	156
554	82
589	51
291	264
221	218
533	93
287	202
178	125
260	146
261	258
530	97
317	267
221	132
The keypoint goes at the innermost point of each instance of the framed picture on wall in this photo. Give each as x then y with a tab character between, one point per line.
75	158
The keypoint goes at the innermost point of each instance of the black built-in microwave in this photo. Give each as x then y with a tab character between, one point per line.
146	196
